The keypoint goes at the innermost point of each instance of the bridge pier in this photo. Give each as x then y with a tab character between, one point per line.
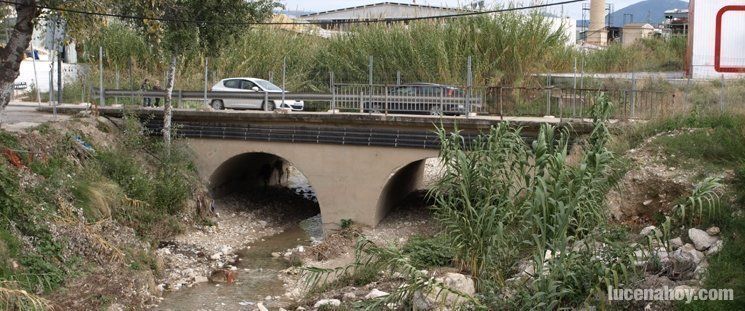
354	182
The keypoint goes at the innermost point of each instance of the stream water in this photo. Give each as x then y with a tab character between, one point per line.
256	279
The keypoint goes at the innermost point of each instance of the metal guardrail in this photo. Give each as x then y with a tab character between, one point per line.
498	101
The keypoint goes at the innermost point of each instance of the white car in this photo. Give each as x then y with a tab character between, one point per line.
250	85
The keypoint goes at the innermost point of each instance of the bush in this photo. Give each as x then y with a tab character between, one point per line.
429	252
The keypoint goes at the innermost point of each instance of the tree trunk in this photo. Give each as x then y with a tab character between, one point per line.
167	105
15	49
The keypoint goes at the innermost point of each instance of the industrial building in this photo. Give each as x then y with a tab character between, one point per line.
338	19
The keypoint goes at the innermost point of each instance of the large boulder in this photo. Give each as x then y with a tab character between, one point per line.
688	254
443	299
701	239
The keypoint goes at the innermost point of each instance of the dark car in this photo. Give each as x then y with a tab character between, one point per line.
421	98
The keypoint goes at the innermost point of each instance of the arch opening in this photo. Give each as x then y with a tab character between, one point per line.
404	197
266	183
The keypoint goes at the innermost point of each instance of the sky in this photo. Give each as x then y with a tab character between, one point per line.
573	10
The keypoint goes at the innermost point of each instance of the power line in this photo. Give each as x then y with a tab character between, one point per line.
359	21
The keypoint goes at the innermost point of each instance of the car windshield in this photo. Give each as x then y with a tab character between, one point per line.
266	85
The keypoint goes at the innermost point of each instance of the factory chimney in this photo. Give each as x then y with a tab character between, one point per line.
597	34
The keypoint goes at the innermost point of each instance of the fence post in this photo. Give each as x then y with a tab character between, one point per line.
362	95
574	91
398	77
633	95
180	97
548	94
721	95
469	85
100	76
131	84
370	80
333	93
116	83
284	71
442	102
206	78
501	99
386	100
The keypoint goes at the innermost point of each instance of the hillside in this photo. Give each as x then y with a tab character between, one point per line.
650	11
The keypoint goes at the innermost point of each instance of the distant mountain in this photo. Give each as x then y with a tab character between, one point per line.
649	11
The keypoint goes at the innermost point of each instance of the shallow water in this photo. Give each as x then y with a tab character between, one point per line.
256	279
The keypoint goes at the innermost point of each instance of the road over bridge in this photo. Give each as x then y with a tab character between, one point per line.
359	165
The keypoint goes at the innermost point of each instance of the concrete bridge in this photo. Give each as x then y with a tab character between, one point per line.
359	165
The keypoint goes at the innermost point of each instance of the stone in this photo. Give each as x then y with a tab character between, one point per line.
116	307
437	298
688	254
349	296
713	231
648	230
201	279
300	309
261	307
276	255
300	249
676	243
701	270
327	302
375	293
216	256
716	248
701	239
647	202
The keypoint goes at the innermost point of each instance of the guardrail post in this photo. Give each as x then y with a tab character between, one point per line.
386	100
362	95
442	101
266	101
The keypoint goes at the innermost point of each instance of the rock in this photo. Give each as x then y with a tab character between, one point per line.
261	307
262	223
676	243
300	249
375	293
327	302
647	202
276	255
716	248
688	254
201	279
701	270
226	249
713	231
300	309
116	307
701	239
647	230
282	309
441	299
216	256
349	296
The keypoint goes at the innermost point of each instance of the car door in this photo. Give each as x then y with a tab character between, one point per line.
232	85
250	87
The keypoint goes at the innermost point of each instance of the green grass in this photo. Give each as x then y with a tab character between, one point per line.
428	252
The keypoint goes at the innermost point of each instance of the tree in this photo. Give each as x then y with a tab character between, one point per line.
27	13
14	50
176	27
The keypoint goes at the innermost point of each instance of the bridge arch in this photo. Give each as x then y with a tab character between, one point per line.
348	180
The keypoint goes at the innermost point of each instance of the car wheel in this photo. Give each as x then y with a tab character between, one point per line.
435	111
217	105
271	106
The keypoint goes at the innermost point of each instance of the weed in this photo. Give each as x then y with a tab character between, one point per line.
429	252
